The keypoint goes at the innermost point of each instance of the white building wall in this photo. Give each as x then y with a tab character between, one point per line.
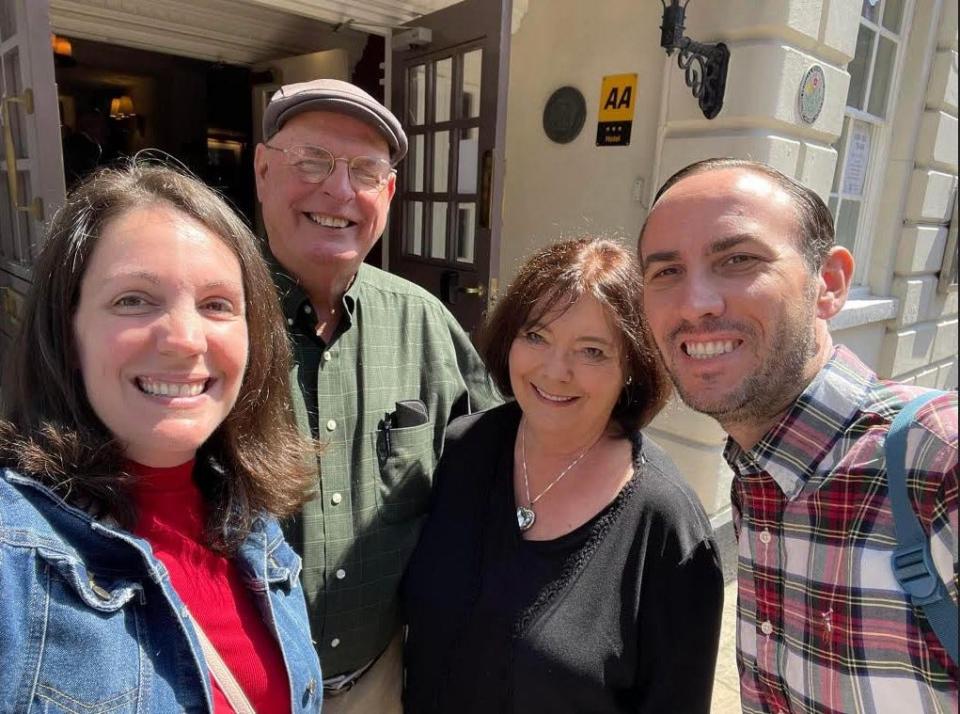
772	45
920	344
553	190
896	321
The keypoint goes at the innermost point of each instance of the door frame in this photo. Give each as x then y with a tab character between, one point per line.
495	62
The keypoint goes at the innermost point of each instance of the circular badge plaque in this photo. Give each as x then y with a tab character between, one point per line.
812	91
564	114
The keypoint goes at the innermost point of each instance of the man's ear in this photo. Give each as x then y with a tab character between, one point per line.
391	187
260	169
835	277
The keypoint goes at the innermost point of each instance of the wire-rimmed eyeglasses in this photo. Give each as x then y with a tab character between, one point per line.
315	164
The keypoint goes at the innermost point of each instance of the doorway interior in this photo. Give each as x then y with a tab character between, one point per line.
116	102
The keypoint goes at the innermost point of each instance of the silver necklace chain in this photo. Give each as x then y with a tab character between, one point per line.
526	480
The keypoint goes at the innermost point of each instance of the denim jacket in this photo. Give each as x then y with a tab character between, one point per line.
89	621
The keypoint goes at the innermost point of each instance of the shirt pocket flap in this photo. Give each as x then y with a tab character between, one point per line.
106	593
406	460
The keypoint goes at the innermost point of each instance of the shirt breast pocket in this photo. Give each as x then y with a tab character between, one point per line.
406	460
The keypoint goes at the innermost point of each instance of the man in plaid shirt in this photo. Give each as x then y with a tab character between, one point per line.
741	276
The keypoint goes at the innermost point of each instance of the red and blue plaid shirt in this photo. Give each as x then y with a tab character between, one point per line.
822	625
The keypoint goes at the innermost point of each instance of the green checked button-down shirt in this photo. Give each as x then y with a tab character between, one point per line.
395	342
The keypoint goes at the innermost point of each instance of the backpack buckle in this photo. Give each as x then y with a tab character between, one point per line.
914	570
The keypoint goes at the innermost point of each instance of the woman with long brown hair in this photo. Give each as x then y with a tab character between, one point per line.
147	448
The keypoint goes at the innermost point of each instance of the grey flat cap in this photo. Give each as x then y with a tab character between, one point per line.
332	95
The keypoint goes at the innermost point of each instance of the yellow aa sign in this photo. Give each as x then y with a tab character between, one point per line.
618	98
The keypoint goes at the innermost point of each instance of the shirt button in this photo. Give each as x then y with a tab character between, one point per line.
331	424
341	574
336	498
307	309
327	356
289	320
335	642
766	628
765	536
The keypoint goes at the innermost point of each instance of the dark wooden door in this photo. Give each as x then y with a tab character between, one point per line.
450	96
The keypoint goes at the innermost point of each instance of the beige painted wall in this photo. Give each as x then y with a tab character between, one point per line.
920	344
894	323
554	190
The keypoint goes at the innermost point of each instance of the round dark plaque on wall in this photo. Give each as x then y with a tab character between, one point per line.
564	114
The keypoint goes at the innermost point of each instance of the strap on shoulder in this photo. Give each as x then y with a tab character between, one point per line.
229	685
912	562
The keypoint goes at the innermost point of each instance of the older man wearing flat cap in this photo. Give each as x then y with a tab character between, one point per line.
381	365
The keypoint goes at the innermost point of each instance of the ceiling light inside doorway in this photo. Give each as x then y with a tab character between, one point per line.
61	46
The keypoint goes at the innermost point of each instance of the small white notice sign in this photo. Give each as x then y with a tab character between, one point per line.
858	158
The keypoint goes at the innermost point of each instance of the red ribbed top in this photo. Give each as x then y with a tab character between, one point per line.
171	517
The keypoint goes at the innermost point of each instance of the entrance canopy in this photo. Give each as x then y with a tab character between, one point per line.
244	32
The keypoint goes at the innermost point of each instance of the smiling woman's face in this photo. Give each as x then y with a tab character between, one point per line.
161	333
566	372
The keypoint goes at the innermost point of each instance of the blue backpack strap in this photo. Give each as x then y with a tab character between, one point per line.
912	562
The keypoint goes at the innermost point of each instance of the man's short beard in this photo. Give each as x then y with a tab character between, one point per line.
767	392
779	378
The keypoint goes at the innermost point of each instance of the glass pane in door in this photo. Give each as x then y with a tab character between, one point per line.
26	234
6	220
466	230
414	163
417	95
8	20
441	160
438	231
11	87
470	91
468	151
443	89
414	227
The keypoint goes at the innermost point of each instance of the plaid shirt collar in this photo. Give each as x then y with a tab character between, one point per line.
801	444
293	296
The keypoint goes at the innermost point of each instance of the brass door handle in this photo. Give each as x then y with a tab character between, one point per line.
35	207
478	290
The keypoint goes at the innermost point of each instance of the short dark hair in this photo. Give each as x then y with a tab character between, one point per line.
553	280
815	222
52	432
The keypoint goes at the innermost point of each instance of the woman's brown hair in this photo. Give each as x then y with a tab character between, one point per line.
255	462
549	284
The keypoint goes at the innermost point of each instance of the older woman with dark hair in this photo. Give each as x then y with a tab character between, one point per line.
565	566
147	448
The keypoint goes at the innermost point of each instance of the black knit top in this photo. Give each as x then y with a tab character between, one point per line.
620	615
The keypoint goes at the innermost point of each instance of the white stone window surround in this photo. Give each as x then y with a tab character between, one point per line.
864	205
862	308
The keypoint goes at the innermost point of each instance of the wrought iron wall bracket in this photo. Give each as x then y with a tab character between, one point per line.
704	65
